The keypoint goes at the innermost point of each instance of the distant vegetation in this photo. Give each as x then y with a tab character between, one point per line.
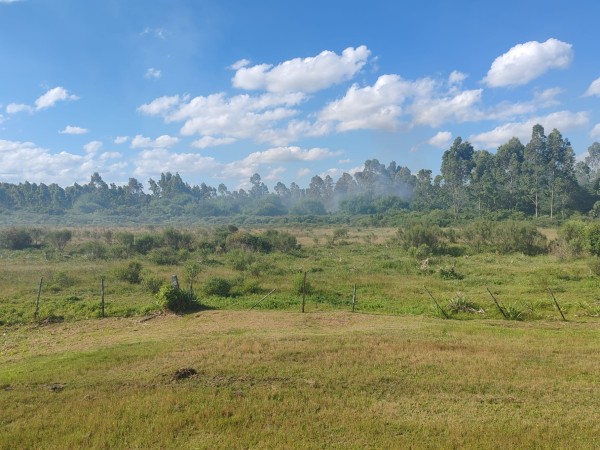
538	179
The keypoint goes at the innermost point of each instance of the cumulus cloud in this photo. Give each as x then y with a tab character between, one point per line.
594	88
92	147
14	108
160	105
70	129
562	120
441	140
239	64
52	96
209	141
458	107
303	74
370	107
150	163
456	77
165	141
121	139
153	73
43	166
525	62
595	133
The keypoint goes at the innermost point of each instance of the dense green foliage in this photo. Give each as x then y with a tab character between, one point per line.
540	178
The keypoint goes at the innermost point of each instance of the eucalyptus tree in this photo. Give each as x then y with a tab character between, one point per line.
560	169
508	171
457	163
483	183
535	162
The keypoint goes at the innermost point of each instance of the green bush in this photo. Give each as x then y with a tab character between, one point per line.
152	284
167	256
15	239
421	234
175	299
298	284
519	237
131	273
217	286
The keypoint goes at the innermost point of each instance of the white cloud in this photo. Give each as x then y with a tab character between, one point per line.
121	139
14	108
456	77
304	172
162	142
561	120
69	129
239	64
371	107
594	88
51	97
209	141
459	107
595	133
92	147
160	105
441	140
274	174
525	62
45	167
9	1
303	75
153	73
150	163
246	167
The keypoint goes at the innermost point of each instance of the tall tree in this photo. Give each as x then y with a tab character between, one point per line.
457	163
535	165
560	168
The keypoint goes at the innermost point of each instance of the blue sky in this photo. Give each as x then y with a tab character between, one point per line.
219	90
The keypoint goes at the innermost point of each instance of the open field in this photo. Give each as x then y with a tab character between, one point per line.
283	380
389	279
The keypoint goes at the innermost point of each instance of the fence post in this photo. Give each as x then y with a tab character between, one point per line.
303	291
102	290
354	298
175	281
37	301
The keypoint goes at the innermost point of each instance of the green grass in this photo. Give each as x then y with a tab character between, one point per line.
290	380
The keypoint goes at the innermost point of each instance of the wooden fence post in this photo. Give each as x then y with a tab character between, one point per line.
102	290
497	304
303	291
175	281
37	301
557	305
354	298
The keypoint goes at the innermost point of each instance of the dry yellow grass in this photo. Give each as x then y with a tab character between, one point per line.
290	380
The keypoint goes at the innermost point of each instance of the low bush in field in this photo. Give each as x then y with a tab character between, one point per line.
131	273
15	239
175	299
217	286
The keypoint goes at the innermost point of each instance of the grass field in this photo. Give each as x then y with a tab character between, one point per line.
394	374
291	380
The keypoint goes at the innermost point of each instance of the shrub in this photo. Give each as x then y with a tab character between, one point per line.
60	280
217	286
131	273
298	284
519	237
146	242
418	234
175	299
167	256
16	239
152	284
449	273
460	304
59	239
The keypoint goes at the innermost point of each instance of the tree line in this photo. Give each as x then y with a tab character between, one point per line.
538	178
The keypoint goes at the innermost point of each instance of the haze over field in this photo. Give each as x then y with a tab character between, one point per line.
220	90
